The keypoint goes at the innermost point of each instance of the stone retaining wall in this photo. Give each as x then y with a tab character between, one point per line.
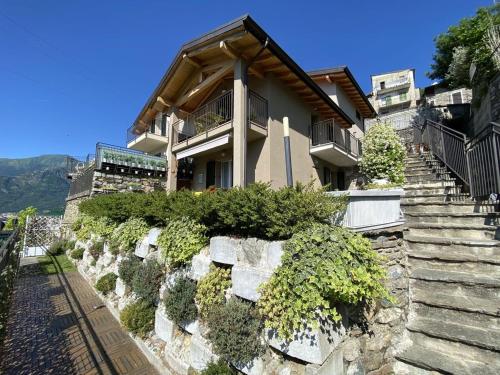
363	343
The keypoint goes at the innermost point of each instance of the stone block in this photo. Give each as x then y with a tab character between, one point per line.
192	327
333	365
177	364
200	266
223	249
312	346
274	251
153	236
107	259
256	367
164	328
251	252
200	353
142	248
121	289
246	281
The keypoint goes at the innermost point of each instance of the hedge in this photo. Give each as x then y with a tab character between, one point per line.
255	211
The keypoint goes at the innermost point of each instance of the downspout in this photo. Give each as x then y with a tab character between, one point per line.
288	155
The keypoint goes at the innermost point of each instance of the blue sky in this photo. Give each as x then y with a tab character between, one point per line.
76	72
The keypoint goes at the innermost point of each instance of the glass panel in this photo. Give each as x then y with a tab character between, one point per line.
226	174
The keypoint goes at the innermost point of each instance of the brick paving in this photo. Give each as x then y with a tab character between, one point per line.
58	325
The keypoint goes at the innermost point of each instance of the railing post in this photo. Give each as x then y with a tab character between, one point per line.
496	155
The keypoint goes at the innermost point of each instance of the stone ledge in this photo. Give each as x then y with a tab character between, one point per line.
246	281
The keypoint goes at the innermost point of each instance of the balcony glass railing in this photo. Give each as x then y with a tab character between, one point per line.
122	160
394	83
327	132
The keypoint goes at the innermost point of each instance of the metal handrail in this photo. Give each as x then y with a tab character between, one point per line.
257	109
328	132
475	161
133	133
7	246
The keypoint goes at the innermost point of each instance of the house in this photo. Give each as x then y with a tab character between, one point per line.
222	110
394	91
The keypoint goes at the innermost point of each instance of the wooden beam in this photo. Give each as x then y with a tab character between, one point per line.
328	79
207	83
190	61
215	45
228	50
161	104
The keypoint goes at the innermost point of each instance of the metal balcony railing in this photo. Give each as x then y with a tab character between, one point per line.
217	112
327	132
213	114
133	133
257	109
126	157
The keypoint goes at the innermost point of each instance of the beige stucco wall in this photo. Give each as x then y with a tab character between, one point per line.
412	92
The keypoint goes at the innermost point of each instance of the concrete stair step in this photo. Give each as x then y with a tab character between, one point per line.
435	198
419	191
455	296
467	270
453	250
470	335
474	218
422	311
448	357
465	278
440	206
431	184
424	168
468	231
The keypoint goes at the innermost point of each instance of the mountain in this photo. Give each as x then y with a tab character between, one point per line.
39	181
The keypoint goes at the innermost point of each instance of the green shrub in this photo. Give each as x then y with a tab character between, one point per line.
128	268
218	368
293	209
77	253
59	247
106	283
321	266
212	288
235	331
138	318
128	233
86	226
179	301
147	281
383	154
96	249
181	240
254	211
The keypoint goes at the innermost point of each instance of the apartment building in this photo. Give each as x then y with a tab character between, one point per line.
230	98
394	91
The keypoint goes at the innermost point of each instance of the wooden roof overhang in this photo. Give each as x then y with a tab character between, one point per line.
344	78
201	64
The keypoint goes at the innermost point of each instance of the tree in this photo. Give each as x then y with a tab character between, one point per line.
468	36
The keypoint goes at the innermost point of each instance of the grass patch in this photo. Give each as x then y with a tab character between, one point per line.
50	265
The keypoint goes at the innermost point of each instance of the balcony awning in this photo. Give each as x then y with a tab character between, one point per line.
205	146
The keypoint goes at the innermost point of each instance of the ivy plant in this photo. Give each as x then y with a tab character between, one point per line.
383	154
212	288
127	234
86	226
321	266
181	240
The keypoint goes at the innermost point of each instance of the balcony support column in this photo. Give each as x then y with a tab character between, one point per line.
240	111
171	157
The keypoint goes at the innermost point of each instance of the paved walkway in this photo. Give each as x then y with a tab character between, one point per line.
58	325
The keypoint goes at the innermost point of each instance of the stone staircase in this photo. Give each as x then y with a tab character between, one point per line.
454	261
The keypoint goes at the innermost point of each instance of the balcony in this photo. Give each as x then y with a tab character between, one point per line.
336	145
394	101
119	160
151	141
210	126
392	85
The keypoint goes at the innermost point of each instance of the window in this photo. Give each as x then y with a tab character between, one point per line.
327	177
219	174
152	126
402	97
456	98
164	120
382	85
358	116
